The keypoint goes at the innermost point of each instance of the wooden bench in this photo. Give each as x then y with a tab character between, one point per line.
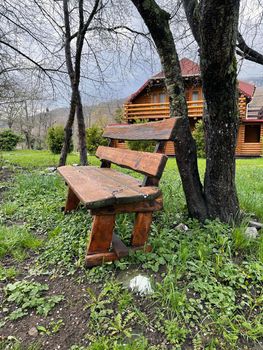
107	192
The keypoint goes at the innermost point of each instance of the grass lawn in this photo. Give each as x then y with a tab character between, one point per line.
207	282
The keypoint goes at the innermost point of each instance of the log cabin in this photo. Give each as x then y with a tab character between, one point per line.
150	102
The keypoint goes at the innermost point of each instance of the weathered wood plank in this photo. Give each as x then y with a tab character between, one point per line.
142	162
142	207
101	187
161	130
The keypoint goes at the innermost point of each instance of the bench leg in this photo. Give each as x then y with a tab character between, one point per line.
101	234
141	229
72	201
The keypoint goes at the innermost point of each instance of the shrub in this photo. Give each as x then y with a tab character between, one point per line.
94	138
145	146
9	140
199	136
55	138
119	115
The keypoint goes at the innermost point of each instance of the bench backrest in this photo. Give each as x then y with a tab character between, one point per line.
150	164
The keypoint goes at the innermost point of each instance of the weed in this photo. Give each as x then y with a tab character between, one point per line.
27	295
52	328
7	273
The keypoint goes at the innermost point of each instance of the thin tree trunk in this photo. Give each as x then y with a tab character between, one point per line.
68	129
157	21
81	132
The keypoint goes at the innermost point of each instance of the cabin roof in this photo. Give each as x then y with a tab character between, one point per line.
190	68
246	88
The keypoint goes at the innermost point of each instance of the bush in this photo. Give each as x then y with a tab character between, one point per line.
199	136
145	146
9	140
94	139
55	139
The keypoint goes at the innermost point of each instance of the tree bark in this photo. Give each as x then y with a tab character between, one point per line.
218	35
157	21
81	132
68	129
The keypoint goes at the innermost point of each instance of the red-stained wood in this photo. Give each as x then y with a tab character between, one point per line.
142	207
108	192
100	258
101	234
72	201
161	130
141	229
142	162
101	187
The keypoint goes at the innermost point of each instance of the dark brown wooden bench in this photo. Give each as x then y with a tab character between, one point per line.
107	192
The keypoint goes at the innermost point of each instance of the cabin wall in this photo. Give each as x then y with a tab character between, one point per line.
246	141
155	94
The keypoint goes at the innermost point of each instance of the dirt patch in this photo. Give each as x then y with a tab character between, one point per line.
70	314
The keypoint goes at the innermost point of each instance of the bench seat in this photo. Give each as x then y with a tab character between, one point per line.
100	187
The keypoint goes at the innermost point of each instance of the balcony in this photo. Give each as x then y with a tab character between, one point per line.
157	111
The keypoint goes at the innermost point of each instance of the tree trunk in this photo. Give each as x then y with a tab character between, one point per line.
82	132
157	21
68	129
218	34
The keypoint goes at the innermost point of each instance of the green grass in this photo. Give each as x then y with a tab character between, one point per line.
36	159
15	241
207	281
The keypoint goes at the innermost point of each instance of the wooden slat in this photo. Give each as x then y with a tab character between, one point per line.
161	130
100	187
142	162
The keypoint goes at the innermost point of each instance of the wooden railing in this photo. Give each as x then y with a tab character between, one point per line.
133	111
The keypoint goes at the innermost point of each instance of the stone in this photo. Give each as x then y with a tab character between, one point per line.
251	232
51	169
75	165
141	284
182	227
256	224
33	332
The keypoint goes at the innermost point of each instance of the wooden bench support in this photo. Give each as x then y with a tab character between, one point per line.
141	229
100	258
101	234
72	201
105	246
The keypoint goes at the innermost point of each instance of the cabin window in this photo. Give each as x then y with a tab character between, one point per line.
195	95
155	98
162	98
252	133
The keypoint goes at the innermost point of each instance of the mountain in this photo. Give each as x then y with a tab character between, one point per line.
102	113
258	81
